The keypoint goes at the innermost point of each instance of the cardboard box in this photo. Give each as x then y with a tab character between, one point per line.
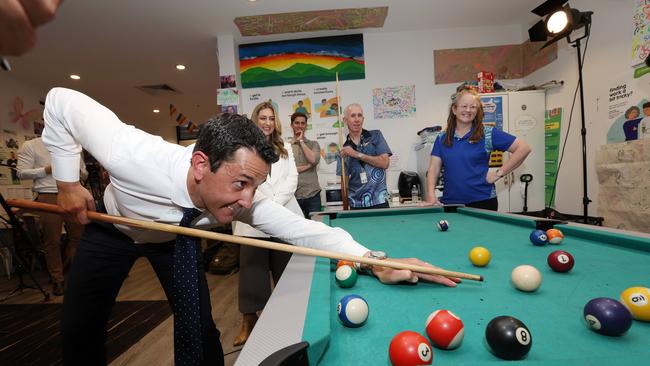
485	82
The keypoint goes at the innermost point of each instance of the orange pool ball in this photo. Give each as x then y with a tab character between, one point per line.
554	236
343	263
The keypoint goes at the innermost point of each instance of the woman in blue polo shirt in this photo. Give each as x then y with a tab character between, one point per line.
464	152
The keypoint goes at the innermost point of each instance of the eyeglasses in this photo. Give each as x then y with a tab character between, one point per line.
471	107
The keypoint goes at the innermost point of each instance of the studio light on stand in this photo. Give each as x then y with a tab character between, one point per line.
559	21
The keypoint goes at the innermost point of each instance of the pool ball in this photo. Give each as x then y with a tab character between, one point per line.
560	261
343	262
637	300
554	236
445	329
346	276
607	316
353	311
409	348
538	237
443	225
526	278
479	256
508	338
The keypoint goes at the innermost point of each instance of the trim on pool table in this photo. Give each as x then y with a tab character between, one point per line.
290	298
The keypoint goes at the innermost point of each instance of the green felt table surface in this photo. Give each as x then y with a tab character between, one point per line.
606	264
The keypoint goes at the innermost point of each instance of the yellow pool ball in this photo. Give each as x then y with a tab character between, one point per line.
479	256
637	300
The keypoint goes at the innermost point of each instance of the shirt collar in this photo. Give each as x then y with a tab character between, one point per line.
180	194
365	135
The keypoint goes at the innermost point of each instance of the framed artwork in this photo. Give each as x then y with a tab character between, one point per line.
301	61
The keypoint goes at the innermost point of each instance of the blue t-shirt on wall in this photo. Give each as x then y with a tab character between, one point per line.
466	165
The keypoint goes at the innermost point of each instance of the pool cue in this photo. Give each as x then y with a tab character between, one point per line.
344	180
150	225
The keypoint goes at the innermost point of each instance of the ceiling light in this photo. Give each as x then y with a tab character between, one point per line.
156	110
180	67
75	77
252	1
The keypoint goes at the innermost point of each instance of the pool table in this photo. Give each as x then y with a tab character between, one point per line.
303	305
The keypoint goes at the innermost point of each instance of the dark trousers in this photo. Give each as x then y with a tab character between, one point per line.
381	205
489	204
311	204
254	283
103	260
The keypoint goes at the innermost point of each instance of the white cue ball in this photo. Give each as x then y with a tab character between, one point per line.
526	278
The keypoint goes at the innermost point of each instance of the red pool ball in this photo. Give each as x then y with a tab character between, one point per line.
410	348
560	261
445	329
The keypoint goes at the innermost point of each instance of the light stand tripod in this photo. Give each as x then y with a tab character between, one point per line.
20	236
583	130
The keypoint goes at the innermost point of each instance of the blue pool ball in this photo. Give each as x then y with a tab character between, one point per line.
607	316
538	237
346	276
353	311
443	225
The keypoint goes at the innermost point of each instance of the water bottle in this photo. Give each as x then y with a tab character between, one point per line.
415	194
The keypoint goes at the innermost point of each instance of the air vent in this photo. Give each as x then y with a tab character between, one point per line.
158	89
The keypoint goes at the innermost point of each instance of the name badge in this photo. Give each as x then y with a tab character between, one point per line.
364	177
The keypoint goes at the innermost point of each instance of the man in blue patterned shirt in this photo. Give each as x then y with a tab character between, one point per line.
367	157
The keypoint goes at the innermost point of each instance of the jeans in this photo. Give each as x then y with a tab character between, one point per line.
311	204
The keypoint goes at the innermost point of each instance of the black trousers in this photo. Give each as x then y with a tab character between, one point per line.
103	260
254	283
381	205
488	204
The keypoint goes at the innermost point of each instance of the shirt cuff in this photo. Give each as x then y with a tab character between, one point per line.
66	168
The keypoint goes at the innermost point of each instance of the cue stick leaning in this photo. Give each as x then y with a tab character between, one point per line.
344	181
150	225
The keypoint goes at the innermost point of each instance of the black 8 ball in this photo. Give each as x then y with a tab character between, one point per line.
508	338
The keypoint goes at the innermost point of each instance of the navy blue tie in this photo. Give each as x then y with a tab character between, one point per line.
187	314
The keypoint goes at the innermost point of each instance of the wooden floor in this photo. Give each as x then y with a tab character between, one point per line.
142	284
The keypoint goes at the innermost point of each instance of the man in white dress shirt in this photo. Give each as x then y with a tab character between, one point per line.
34	163
153	180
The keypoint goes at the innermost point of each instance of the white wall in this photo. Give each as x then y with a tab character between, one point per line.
406	58
608	56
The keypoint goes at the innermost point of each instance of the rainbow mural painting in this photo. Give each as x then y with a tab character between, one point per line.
310	60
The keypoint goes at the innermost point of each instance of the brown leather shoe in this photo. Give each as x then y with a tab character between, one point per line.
58	288
247	325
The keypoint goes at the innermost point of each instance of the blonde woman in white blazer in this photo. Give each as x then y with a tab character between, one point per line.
255	263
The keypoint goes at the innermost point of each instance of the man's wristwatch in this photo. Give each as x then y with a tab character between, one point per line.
374	254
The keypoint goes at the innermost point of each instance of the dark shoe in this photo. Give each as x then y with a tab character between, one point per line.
58	288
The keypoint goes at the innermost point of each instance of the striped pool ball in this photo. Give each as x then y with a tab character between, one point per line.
554	236
445	329
443	225
346	276
353	311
